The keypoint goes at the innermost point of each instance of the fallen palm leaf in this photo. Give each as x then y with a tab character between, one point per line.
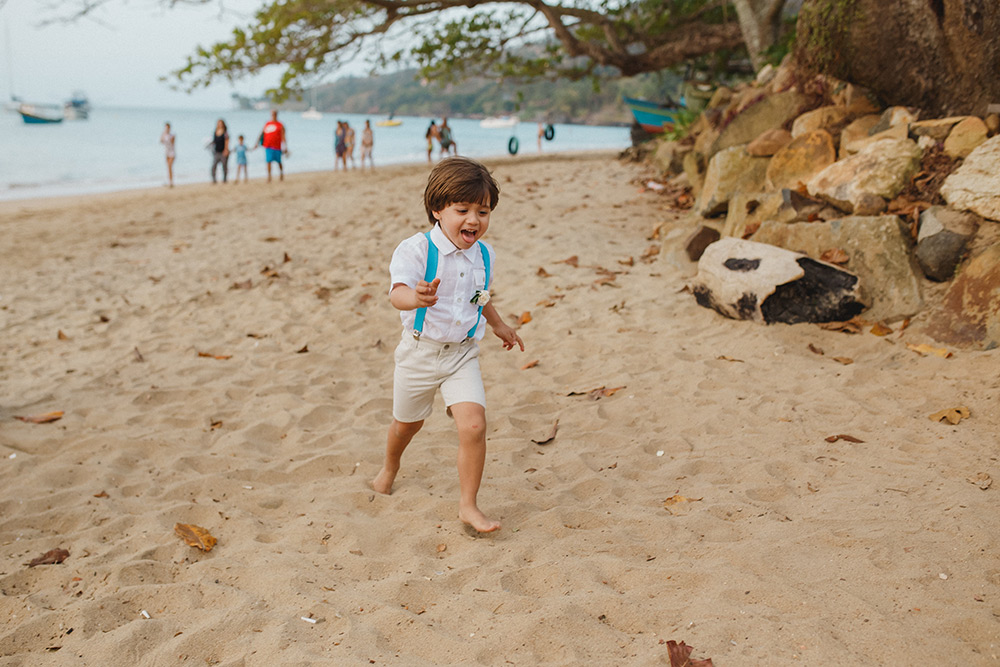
952	415
43	418
879	329
195	536
209	355
530	364
550	438
842	436
924	349
51	557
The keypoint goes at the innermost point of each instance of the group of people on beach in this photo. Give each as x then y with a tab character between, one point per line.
443	135
272	139
343	145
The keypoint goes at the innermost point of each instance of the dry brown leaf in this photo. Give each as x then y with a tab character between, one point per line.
847	361
303	349
680	656
364	297
524	317
842	436
834	256
209	355
138	355
601	392
629	261
725	358
268	272
195	536
286	259
678	504
442	548
952	415
51	557
551	436
542	273
246	284
816	350
879	329
102	494
924	349
982	480
42	418
851	326
61	336
573	261
530	364
651	253
215	425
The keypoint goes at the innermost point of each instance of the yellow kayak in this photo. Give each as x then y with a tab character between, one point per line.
388	122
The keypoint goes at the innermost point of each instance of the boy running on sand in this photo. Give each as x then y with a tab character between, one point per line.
440	282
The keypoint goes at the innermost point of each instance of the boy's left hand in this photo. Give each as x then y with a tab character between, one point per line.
508	336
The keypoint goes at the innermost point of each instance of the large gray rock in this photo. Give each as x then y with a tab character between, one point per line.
770	113
969	314
745	280
878	250
729	171
975	186
944	235
882	169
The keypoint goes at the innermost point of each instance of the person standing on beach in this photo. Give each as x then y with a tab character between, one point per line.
440	283
340	145
241	161
367	143
349	141
275	144
447	139
169	139
220	149
432	134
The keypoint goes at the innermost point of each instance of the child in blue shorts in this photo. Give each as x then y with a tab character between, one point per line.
440	284
241	161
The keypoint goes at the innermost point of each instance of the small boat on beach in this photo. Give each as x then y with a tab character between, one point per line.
39	114
653	117
499	122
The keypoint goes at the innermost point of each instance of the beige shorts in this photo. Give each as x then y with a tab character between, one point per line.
424	366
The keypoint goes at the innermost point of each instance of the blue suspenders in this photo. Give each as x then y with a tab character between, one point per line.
431	271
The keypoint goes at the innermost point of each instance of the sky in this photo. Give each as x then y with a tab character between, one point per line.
118	56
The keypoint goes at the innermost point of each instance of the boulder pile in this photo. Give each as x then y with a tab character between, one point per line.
910	206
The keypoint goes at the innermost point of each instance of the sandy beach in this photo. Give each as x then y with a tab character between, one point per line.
223	358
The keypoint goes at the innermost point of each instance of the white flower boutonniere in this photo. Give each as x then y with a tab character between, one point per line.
480	298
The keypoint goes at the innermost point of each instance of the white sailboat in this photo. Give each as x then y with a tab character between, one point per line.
312	113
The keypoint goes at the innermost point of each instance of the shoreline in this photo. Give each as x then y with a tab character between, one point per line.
706	495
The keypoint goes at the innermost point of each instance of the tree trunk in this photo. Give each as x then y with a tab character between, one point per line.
760	21
942	56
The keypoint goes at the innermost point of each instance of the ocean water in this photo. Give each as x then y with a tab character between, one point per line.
119	149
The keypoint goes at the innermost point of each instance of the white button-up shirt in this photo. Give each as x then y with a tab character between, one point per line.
462	272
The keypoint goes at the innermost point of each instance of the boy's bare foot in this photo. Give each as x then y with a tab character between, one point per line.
383	481
476	519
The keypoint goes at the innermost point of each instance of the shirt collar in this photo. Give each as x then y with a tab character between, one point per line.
446	247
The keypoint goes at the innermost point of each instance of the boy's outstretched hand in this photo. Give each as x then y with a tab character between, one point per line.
426	293
509	337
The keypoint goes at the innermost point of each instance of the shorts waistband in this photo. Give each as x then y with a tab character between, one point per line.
424	341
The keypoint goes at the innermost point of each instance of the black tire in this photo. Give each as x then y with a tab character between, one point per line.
512	146
550	133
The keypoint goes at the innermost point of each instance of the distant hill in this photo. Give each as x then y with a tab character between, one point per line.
403	93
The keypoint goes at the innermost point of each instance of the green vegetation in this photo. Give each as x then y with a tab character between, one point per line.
404	93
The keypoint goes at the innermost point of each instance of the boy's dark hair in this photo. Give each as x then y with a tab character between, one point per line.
459	179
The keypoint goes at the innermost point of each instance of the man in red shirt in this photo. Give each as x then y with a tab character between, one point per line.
275	144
